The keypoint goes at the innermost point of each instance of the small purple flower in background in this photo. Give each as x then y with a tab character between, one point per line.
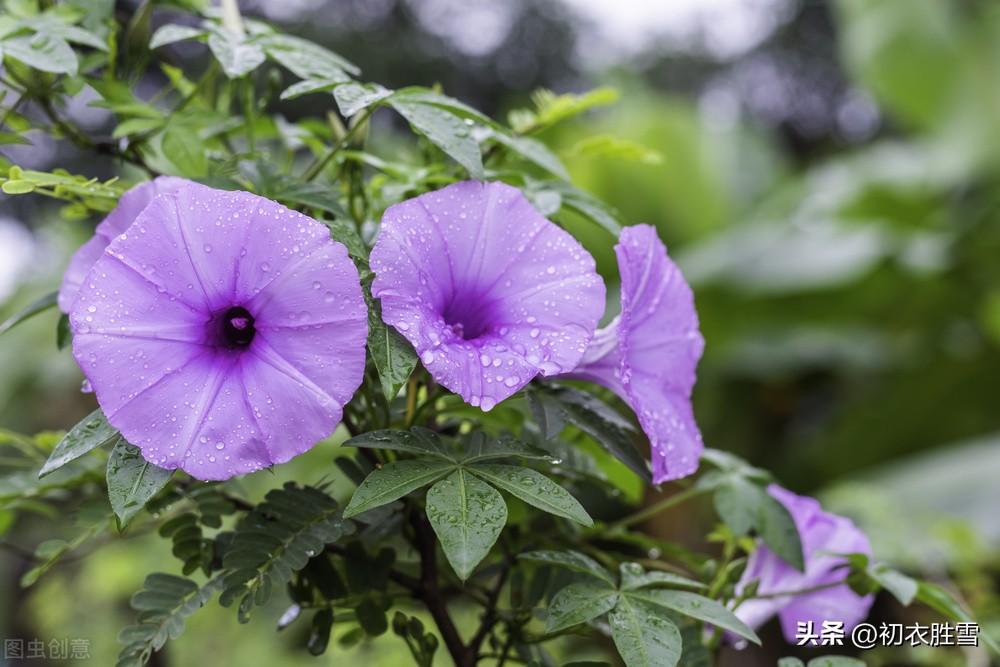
823	535
129	206
648	354
221	332
489	292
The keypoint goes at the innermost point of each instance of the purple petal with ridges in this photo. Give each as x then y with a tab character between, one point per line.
649	353
116	222
489	292
149	332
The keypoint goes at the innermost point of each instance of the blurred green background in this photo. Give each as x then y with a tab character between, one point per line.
826	173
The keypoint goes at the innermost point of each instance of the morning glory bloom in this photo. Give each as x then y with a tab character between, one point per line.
648	354
489	292
222	332
823	535
116	222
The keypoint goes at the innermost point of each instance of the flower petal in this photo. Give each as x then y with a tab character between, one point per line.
116	222
148	333
489	292
648	354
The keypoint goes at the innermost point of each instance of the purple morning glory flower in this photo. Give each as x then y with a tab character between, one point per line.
489	292
648	354
129	206
221	332
823	534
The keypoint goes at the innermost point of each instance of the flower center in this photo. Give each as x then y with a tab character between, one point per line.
467	318
237	327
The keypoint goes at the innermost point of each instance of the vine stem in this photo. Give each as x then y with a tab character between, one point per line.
317	166
657	507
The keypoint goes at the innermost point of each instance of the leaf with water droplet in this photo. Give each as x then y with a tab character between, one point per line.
535	489
579	603
571	560
90	433
696	606
634	577
467	514
444	129
132	480
393	355
643	635
481	447
393	481
417	440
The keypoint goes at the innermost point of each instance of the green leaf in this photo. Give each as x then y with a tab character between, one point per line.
319	633
467	515
237	55
643	636
445	130
588	206
696	606
835	661
417	440
344	232
579	603
306	59
171	33
941	601
137	126
571	560
534	151
354	97
276	539
739	504
778	530
185	150
546	412
17	187
132	480
790	662
609	429
90	433
421	95
63	334
43	51
51	25
164	603
902	587
481	447
535	489
308	86
392	354
37	306
393	481
634	577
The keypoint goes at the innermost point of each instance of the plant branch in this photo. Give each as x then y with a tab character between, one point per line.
650	511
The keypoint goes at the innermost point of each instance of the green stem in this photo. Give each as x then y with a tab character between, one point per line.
318	165
652	510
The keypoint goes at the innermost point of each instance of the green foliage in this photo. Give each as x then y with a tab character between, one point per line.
532	576
276	539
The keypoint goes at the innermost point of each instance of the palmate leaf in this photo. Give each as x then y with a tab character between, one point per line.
467	514
276	539
480	447
579	603
643	635
306	59
394	480
132	480
164	603
91	432
533	488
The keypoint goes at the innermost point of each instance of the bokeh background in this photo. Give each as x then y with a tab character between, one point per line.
826	173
